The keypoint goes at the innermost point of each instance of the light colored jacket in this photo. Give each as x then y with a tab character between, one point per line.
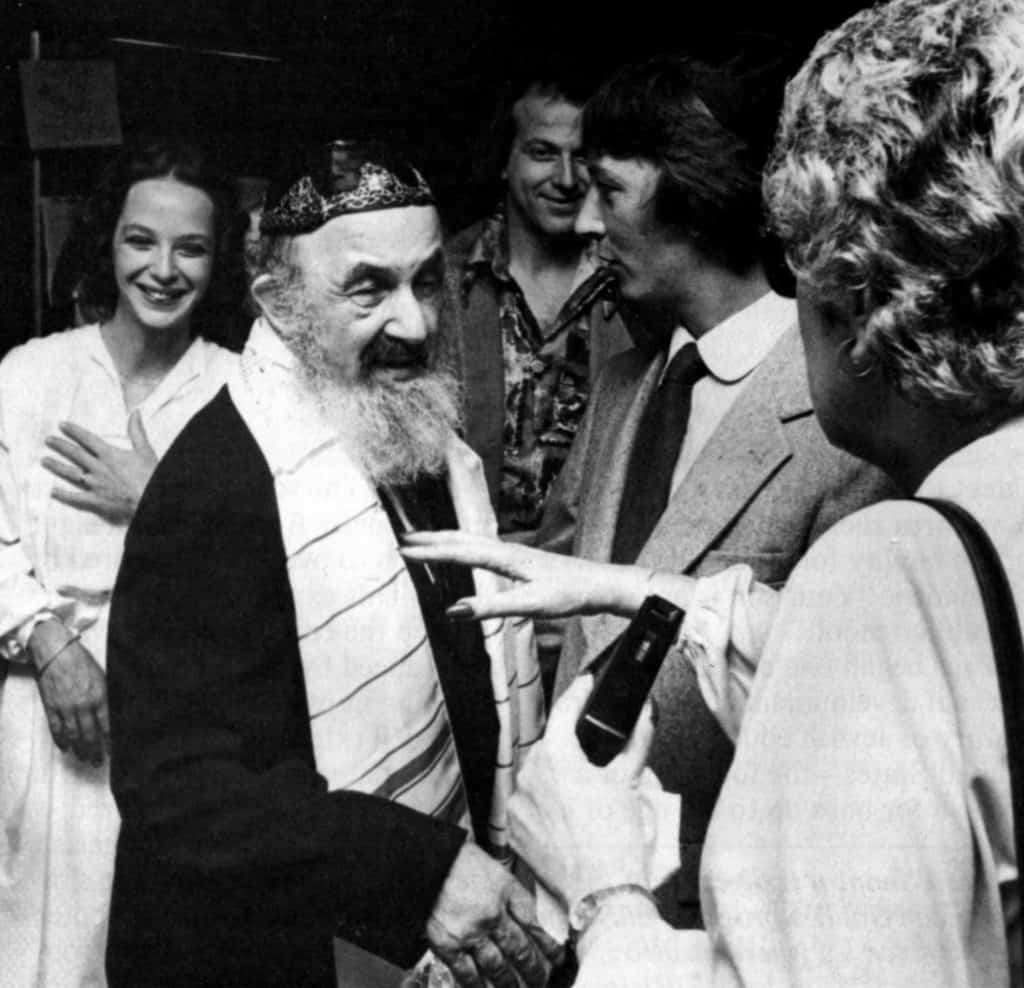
764	487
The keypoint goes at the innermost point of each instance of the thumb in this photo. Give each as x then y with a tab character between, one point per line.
565	713
137	434
520	903
633	757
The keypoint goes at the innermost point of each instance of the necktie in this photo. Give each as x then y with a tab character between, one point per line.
659	438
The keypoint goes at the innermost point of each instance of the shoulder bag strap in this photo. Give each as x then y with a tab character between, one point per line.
1004	627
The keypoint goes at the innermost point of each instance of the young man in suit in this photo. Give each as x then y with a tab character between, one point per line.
301	742
708	453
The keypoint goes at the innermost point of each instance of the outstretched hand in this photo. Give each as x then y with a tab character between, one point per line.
104	479
547	584
484	927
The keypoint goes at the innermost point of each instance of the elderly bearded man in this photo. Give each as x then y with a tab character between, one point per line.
300	740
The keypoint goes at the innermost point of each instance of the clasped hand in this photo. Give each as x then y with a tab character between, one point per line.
104	479
484	927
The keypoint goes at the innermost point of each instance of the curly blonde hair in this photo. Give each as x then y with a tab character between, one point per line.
898	172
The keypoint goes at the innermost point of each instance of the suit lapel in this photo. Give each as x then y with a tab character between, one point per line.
615	444
612	460
746	449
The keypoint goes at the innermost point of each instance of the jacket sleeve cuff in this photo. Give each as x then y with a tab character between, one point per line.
393	922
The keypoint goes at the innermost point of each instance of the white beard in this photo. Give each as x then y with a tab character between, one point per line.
397	431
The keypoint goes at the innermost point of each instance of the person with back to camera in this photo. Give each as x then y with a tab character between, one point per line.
864	834
84	415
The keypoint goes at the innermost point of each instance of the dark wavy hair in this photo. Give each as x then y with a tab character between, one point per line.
217	315
548	78
709	189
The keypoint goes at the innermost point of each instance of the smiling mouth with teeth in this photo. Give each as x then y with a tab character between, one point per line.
159	295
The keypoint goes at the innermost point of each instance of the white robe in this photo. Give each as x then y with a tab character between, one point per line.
58	817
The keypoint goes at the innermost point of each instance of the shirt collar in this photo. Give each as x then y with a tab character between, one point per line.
490	253
267	344
733	348
99	354
190	366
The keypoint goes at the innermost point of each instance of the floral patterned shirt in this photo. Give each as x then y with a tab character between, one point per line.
546	375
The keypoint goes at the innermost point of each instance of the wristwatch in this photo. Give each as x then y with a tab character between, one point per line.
584	910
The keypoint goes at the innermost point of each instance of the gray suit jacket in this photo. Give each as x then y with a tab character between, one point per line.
765	486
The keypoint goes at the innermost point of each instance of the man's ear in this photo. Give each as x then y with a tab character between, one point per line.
264	290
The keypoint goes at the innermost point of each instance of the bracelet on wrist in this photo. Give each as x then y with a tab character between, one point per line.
53	655
585	910
24	633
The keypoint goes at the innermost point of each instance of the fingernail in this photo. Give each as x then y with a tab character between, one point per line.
459	611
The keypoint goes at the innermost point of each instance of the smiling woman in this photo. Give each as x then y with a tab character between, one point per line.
91	408
163	253
133	182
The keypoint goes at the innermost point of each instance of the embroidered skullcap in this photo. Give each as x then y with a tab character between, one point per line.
338	178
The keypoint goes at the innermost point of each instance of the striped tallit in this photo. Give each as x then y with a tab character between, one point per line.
377	711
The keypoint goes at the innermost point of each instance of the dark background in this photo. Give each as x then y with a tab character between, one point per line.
425	73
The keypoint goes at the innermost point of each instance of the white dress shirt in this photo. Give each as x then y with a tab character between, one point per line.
731	350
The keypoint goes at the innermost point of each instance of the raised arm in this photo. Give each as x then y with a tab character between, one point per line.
728	615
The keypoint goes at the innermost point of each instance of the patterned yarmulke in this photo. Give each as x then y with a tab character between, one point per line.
339	178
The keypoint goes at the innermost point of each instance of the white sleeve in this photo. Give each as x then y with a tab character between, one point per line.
842	850
23	600
629	944
728	620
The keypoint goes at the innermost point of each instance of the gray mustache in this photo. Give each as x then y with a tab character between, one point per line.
388	352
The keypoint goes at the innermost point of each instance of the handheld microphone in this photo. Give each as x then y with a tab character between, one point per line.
626	675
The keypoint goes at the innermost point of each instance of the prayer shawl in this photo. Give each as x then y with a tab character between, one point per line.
378	718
